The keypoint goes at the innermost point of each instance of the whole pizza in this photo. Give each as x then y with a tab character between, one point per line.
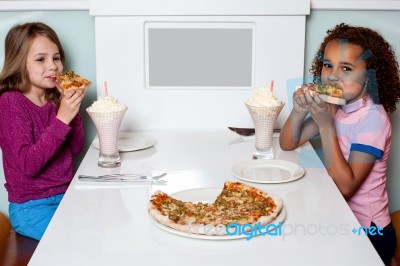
237	203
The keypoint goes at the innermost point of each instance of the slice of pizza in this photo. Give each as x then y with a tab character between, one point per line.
247	205
237	203
177	214
329	93
70	81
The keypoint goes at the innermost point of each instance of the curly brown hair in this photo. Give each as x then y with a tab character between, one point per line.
382	67
18	41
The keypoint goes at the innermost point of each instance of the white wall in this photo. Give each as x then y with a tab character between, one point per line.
188	108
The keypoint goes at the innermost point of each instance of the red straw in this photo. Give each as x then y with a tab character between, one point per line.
272	86
105	88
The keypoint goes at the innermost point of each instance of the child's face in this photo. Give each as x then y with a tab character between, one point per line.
342	65
42	63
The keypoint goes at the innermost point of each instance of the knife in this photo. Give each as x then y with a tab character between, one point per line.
113	176
121	177
141	179
247	131
243	131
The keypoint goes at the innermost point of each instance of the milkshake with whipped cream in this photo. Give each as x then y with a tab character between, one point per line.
264	108
106	114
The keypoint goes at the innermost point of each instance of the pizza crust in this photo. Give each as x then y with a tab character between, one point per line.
161	218
333	100
264	220
164	220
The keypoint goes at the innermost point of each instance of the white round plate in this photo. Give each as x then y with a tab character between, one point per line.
130	141
267	171
206	195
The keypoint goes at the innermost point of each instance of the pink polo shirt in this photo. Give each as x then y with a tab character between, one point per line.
365	127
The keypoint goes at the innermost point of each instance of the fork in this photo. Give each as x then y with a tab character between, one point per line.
125	180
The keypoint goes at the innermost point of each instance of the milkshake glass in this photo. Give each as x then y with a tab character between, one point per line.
107	124
264	108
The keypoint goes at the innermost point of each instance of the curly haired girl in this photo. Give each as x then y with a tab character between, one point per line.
355	137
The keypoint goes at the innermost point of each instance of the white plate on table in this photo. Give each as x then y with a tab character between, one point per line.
130	141
207	195
267	171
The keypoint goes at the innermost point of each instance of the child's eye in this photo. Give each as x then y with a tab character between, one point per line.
57	58
346	68
327	65
40	59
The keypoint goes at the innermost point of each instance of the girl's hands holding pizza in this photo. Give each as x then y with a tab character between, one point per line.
321	112
300	104
70	104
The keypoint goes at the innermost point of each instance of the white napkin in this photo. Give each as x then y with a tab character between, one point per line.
106	185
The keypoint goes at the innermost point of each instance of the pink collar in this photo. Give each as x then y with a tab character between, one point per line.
352	107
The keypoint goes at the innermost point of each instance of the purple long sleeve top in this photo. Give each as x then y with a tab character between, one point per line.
37	148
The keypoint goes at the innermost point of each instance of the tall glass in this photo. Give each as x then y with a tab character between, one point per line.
107	125
264	119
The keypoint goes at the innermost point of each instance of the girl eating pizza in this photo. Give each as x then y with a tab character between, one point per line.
355	137
40	127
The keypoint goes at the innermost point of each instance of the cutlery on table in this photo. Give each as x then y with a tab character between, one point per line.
243	131
124	178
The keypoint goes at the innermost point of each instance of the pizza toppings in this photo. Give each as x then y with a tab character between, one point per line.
331	93
330	90
69	80
173	208
237	203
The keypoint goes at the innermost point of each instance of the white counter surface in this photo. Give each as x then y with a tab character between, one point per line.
111	226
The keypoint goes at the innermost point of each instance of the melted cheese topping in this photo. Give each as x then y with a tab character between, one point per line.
70	80
234	204
330	90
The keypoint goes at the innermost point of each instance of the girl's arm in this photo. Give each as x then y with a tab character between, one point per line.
29	154
348	175
297	128
76	135
296	131
68	113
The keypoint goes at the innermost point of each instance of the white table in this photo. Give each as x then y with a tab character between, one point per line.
111	226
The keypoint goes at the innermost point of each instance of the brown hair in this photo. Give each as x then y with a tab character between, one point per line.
382	68
18	41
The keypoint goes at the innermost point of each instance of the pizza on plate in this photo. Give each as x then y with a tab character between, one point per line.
70	80
237	203
329	93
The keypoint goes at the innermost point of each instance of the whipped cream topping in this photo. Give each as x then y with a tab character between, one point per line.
263	97
107	104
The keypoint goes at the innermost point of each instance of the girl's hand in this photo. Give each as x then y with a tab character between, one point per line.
321	112
70	104
300	104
